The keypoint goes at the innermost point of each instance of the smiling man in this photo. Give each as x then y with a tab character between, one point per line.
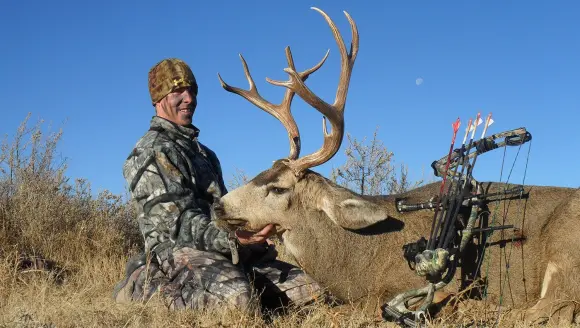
174	179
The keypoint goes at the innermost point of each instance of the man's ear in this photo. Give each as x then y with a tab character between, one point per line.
353	212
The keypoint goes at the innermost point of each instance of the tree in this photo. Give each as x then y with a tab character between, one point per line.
238	179
369	169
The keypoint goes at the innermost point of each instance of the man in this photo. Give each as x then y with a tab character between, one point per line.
174	180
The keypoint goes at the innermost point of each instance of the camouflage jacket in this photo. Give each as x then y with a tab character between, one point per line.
174	179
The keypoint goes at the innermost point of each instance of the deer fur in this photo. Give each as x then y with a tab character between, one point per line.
352	244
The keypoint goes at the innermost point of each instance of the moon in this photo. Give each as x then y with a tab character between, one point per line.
419	81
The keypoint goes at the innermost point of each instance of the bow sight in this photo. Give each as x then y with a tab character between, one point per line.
456	211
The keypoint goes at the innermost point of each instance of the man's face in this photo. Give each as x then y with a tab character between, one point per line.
178	106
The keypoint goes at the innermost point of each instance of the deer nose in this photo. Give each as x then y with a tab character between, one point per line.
217	207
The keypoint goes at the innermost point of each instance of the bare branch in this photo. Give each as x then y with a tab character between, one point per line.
238	179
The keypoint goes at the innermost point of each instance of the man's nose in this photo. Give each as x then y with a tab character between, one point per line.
188	96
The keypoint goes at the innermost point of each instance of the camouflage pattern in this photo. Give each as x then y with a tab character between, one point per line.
169	75
196	279
173	180
190	279
431	262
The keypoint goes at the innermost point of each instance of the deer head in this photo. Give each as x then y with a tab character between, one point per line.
289	191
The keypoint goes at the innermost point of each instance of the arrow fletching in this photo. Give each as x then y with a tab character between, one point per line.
477	123
488	122
467	130
456	125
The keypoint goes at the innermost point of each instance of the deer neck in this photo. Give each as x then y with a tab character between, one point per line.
339	258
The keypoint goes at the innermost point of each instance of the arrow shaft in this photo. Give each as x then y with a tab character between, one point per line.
438	215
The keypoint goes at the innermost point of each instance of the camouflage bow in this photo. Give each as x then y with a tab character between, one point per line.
437	258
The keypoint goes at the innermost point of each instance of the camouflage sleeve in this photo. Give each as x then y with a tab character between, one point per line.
169	214
216	164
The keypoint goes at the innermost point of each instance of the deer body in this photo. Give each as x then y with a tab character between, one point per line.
368	264
354	265
352	244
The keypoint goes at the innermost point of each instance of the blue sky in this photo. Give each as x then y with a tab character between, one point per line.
86	63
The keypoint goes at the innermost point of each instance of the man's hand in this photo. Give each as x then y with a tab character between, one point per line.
257	247
260	237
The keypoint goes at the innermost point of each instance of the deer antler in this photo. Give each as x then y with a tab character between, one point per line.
281	111
334	112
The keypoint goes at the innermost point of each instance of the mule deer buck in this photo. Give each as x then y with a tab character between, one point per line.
352	244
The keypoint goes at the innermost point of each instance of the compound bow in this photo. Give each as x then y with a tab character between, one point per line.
437	257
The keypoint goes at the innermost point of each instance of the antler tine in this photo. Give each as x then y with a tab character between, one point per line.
334	112
303	75
347	59
282	112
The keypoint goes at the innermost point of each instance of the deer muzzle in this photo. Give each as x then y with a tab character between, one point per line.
223	220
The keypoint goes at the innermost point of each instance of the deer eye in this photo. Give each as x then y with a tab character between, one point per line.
278	190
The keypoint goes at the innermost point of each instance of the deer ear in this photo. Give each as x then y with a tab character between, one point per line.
352	213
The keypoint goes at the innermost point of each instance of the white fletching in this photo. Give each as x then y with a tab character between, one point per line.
489	121
475	124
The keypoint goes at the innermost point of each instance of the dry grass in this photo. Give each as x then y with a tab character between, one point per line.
87	240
